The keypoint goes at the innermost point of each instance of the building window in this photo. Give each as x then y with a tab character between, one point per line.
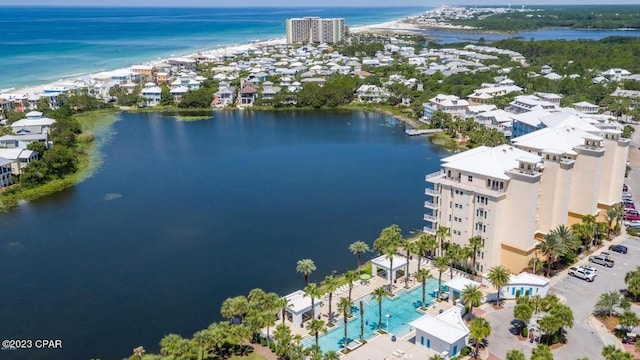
470	178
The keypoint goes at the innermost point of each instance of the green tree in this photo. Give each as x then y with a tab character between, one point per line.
314	292
515	355
541	352
472	296
523	312
361	308
628	319
330	283
611	352
424	245
441	264
607	302
60	161
391	235
351	277
550	325
235	307
390	253
442	233
315	327
479	330
358	248
305	267
200	98
422	275
475	243
551	247
283	303
632	279
499	277
38	147
344	307
379	294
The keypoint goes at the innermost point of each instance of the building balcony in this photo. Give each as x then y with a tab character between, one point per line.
431	192
431	205
430	218
433	175
477	189
430	231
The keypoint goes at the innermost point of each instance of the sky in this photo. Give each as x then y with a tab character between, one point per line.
298	3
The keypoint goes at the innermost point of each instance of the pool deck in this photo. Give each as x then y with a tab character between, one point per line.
381	347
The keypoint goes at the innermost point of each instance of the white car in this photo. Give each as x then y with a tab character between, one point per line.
589	268
632	223
582	274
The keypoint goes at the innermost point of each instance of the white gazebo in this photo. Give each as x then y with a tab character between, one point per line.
384	263
299	308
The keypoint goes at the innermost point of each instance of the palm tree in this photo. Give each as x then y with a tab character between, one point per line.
351	276
305	267
453	253
422	246
138	352
471	296
541	352
552	247
361	320
515	355
378	295
390	252
441	264
391	235
466	253
499	277
315	327
479	330
441	234
283	303
590	223
331	284
475	243
565	235
404	243
358	248
331	355
344	307
523	312
613	214
422	275
549	324
314	292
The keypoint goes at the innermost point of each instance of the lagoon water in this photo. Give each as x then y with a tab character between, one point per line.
182	215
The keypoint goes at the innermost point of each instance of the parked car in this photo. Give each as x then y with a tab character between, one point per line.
582	274
625	187
629	207
631	217
631	223
632	212
603	260
589	268
627	195
618	248
630	339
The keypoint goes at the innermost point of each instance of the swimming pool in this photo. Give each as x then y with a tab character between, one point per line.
402	310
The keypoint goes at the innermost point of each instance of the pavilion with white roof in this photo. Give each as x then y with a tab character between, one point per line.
445	334
384	263
299	309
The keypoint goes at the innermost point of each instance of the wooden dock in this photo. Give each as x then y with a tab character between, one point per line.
416	132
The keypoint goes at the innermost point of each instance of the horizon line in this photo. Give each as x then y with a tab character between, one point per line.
311	6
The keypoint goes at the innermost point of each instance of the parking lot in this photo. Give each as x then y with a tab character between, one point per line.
581	296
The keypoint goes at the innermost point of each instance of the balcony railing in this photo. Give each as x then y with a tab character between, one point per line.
430	218
431	192
432	175
430	231
430	205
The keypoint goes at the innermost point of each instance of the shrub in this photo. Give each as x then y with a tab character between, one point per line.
465	351
263	342
525	331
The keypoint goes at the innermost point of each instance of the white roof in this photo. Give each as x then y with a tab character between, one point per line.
531	117
564	119
527	278
15	153
384	263
584	104
500	115
447	326
459	283
33	122
299	303
563	139
4	162
491	162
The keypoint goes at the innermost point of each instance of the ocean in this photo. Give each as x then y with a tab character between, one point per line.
44	44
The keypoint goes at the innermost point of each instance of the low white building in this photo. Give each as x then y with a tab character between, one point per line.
5	172
525	284
383	264
34	123
299	309
445	334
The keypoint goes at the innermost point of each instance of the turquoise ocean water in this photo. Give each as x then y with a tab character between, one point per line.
44	44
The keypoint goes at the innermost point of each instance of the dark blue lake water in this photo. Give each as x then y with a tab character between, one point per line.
183	215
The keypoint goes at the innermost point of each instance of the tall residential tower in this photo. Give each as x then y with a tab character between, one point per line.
315	30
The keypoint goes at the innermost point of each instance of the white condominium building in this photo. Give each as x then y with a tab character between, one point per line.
491	193
512	194
315	30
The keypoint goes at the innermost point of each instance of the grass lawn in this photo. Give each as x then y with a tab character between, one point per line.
252	356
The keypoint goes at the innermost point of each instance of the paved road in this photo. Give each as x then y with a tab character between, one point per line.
583	339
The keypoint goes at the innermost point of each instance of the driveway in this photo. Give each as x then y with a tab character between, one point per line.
581	296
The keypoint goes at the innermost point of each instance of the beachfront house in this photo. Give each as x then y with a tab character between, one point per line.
5	172
586	107
247	95
19	158
34	123
12	141
152	94
445	334
178	92
372	93
225	95
449	104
